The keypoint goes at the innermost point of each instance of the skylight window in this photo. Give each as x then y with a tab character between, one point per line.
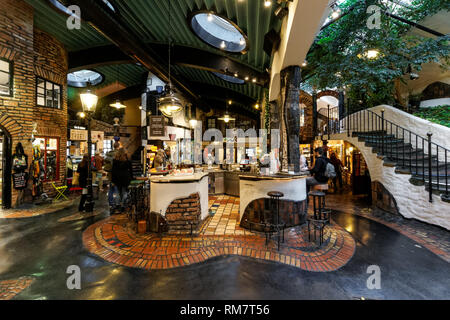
82	78
219	32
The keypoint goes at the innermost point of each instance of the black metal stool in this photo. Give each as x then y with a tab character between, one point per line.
321	215
275	227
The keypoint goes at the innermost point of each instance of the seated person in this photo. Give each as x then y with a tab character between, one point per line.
318	171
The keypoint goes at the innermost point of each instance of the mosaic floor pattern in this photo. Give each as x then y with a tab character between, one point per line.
114	240
10	288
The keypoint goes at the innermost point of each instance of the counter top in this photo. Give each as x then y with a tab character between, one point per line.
179	179
273	177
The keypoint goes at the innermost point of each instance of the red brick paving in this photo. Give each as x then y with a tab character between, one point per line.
113	240
10	288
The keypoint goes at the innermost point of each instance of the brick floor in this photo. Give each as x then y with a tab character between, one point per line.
115	241
10	288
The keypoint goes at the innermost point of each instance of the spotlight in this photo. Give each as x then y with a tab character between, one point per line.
223	45
267	3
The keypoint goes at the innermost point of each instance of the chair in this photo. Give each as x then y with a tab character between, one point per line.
321	215
275	227
60	191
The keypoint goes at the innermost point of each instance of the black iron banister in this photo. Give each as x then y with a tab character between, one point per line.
364	120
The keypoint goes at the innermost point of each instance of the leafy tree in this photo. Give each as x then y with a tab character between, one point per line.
339	56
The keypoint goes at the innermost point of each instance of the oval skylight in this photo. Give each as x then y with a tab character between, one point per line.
229	78
219	32
80	79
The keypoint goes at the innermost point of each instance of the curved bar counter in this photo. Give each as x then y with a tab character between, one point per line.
182	200
255	206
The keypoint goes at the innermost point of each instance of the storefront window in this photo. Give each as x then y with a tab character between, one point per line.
211	123
48	94
6	78
50	153
107	146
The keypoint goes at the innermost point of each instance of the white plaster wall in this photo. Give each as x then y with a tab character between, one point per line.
162	195
412	201
434	103
250	190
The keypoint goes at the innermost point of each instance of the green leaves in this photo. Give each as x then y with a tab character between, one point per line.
339	55
439	114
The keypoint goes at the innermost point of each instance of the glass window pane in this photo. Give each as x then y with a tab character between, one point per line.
51	165
40	100
52	144
40	83
4	66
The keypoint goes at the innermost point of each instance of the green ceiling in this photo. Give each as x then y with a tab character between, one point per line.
53	22
197	75
128	74
148	19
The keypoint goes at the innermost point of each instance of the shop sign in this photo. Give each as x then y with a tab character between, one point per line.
78	135
157	126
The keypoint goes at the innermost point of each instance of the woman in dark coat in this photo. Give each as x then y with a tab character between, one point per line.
83	172
122	174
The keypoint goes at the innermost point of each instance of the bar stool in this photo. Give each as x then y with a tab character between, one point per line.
275	198
321	215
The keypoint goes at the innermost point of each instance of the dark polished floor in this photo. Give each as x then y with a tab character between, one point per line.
43	248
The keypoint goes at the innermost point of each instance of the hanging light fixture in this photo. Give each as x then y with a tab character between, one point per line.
227	118
118	105
170	104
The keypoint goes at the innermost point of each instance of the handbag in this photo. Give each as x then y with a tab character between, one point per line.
76	179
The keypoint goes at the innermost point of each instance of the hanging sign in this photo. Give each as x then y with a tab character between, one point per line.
78	135
157	126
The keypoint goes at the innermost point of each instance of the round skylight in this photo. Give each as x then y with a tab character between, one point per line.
229	78
219	32
80	79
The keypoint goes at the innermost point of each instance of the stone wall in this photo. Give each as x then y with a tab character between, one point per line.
33	53
181	213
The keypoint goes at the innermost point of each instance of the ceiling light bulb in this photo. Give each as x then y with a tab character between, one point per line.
304	64
256	106
230	102
210	17
226	119
242	42
246	78
336	14
267	3
236	75
372	54
223	45
254	80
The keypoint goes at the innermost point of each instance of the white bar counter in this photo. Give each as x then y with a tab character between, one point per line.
166	189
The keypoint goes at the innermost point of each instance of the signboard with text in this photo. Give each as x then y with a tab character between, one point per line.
157	126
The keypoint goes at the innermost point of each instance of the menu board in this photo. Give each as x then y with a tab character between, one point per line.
20	180
157	126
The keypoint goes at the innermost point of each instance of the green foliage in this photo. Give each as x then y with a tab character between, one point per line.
439	114
338	56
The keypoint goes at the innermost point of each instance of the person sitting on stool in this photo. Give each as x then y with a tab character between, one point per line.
318	171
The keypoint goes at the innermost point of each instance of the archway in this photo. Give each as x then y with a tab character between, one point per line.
327	110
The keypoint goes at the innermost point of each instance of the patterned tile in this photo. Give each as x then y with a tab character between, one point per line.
10	288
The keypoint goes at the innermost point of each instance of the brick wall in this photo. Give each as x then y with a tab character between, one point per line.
182	212
33	53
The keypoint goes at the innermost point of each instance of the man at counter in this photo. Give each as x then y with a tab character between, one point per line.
318	171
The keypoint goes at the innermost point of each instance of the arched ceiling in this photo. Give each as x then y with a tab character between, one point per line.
147	21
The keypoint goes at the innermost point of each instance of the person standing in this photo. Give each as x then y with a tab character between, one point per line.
108	165
122	174
83	172
338	168
98	160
